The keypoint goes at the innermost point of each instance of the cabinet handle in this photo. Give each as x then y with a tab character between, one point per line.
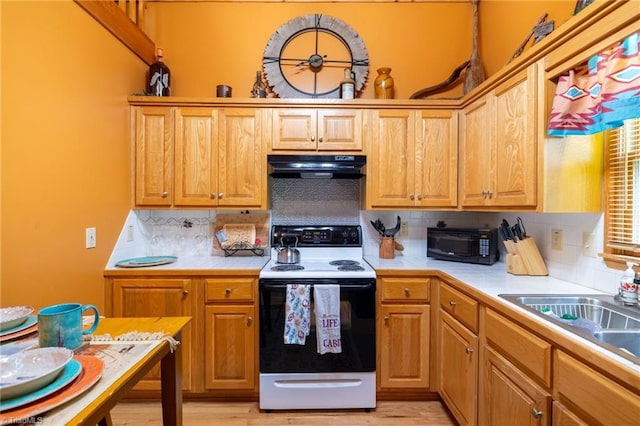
406	292
227	291
249	320
452	303
313	138
165	194
320	139
489	194
419	196
212	196
386	319
536	413
469	351
412	197
220	194
185	292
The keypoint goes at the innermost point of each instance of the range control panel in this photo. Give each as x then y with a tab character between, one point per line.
314	236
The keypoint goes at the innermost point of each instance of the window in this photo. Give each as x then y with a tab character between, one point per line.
622	213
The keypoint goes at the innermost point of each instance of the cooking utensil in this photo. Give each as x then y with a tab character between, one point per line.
520	225
506	231
288	255
393	231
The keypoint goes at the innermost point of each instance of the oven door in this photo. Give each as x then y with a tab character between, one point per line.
357	329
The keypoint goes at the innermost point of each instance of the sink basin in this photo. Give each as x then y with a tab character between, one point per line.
602	319
628	340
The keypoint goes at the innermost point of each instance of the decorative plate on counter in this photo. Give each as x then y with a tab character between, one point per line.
140	262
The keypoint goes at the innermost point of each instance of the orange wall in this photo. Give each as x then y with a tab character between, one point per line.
206	43
65	157
65	151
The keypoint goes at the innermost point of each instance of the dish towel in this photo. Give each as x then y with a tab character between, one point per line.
296	322
327	310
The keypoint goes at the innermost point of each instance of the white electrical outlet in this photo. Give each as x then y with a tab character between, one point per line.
130	233
90	237
404	229
557	239
589	244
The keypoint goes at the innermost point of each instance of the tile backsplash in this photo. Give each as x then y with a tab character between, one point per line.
337	201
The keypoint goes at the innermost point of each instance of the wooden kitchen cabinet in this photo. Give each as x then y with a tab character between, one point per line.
201	157
153	141
458	354
309	129
415	156
231	334
498	145
404	336
590	397
156	297
509	397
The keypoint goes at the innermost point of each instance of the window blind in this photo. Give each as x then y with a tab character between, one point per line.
623	188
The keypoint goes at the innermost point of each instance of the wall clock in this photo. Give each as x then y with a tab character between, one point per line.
306	57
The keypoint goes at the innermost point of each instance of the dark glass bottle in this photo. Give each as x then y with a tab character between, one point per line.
159	78
259	89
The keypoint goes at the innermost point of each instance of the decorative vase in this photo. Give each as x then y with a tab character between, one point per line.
383	84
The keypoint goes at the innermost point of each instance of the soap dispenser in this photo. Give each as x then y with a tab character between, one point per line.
628	290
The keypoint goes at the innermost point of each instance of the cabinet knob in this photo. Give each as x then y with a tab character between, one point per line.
185	292
419	196
386	319
220	194
165	194
452	303
227	291
320	139
313	138
412	197
406	291
536	413
469	351
249	320
212	196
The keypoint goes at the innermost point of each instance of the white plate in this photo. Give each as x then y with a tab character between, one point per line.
31	370
13	316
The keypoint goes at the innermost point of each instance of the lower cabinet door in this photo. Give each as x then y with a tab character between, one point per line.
404	346
508	397
230	347
157	297
458	369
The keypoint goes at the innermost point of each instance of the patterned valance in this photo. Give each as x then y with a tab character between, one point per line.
600	95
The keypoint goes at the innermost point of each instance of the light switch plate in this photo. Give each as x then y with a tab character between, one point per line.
90	237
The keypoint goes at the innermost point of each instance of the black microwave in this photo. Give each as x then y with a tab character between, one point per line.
470	245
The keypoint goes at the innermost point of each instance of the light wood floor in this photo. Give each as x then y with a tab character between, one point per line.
388	413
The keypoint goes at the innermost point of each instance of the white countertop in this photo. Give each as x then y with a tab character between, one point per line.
190	263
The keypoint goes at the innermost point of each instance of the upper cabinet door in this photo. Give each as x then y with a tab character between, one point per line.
153	155
307	129
242	162
437	159
516	141
391	158
196	157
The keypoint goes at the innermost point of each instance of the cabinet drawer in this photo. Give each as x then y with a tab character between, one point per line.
461	307
525	350
231	289
592	396
399	289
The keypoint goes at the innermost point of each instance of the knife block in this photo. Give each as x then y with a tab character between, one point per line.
523	258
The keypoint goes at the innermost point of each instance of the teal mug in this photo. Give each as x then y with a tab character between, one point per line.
61	325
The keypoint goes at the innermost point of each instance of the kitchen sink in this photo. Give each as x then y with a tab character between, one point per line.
601	319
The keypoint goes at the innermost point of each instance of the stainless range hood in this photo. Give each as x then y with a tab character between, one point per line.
317	166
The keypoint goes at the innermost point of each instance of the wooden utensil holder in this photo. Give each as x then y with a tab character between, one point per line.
387	248
523	258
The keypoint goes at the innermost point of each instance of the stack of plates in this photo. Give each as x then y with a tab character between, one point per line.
36	380
16	321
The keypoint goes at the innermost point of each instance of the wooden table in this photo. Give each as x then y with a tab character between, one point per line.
93	407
